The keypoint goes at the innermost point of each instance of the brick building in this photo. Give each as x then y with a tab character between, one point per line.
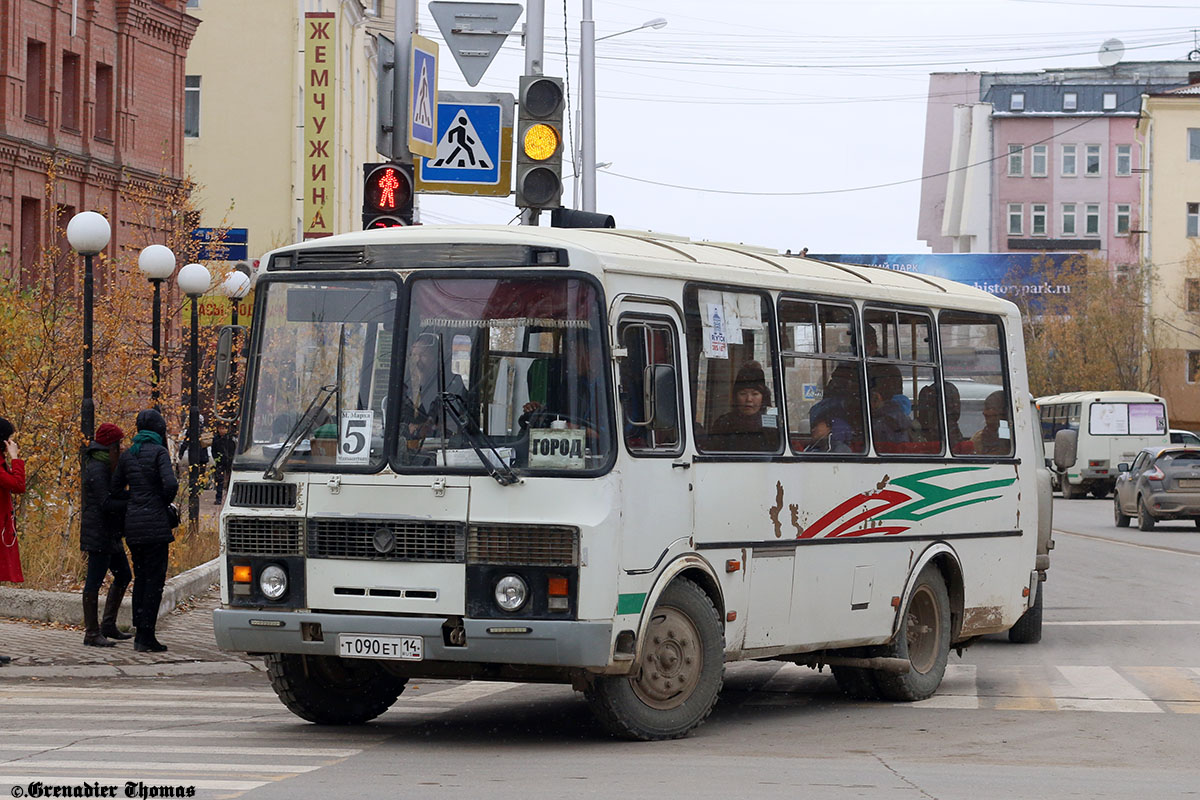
93	98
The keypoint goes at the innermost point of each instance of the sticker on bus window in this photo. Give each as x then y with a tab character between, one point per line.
354	439
557	448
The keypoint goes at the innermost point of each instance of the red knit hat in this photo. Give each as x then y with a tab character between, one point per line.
109	434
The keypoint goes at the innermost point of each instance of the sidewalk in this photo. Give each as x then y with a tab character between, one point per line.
45	650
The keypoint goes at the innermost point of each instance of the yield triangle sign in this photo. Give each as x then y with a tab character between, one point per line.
474	32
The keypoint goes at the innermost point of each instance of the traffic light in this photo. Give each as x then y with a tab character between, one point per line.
570	218
540	142
387	195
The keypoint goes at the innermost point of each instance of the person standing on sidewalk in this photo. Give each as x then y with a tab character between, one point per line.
100	532
145	469
12	481
223	447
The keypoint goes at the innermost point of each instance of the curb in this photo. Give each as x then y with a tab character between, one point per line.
66	607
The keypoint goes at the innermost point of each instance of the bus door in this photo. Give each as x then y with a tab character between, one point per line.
655	474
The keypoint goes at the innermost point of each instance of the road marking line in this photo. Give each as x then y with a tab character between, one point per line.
107	692
1106	622
105	767
74	780
1103	689
457	695
118	747
302	731
1171	684
959	689
1025	689
1138	545
99	700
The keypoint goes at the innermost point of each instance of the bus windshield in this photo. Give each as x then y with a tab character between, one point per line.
488	373
521	358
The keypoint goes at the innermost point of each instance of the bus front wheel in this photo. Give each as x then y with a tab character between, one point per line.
329	690
923	640
675	684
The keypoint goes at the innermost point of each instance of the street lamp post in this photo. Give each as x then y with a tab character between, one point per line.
194	280
88	234
587	96
156	262
235	287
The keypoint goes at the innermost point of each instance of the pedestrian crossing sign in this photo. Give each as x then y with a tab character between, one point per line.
474	146
423	96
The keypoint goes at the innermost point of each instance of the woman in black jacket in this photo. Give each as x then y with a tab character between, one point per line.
100	537
145	468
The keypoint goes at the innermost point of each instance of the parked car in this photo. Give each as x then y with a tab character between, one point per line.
1184	437
1161	483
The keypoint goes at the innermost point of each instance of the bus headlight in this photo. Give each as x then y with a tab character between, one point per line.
511	592
273	581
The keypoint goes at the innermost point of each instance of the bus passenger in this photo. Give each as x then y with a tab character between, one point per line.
744	427
421	404
987	441
889	423
823	440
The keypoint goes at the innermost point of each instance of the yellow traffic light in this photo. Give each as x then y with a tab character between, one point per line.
541	141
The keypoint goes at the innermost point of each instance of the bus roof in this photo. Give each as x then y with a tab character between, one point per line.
658	255
1100	397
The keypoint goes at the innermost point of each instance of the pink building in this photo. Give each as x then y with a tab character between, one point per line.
1038	160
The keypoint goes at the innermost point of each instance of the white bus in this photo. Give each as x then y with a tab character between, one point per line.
619	460
1111	427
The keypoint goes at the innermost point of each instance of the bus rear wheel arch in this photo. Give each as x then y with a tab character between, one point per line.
923	639
678	675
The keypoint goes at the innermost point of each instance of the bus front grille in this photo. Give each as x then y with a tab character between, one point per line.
386	539
532	545
263	536
249	494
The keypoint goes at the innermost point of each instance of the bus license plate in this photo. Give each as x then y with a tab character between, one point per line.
401	648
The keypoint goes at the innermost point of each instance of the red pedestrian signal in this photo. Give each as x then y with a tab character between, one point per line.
387	195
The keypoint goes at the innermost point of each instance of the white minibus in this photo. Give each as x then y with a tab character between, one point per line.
1111	427
619	460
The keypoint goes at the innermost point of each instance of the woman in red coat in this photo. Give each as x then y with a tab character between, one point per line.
12	481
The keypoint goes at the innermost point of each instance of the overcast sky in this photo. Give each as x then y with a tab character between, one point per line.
792	123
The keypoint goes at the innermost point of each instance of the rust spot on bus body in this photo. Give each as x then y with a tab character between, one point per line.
982	619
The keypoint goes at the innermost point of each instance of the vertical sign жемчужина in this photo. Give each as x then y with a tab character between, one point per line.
319	74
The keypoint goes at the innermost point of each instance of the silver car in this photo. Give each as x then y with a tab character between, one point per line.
1162	483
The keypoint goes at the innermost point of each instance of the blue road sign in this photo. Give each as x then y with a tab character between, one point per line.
422	137
468	145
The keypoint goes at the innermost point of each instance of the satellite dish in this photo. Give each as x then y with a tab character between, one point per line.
1111	52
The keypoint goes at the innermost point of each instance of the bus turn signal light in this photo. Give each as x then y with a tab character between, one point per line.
733	565
241	573
556	587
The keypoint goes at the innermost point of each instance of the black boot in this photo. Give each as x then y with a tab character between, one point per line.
144	642
112	606
91	622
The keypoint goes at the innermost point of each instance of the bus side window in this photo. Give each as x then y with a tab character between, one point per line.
732	365
822	377
649	388
973	353
903	419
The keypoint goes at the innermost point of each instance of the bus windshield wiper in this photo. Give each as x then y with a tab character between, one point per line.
496	466
303	426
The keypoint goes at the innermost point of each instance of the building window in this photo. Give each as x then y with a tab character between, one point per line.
1068	219
193	3
1193	220
1037	165
1070	101
70	91
191	106
31	241
1124	159
1110	101
1016	102
1091	216
1123	214
1016	161
1037	219
35	80
1016	216
104	102
1193	293
1092	160
1068	160
1193	144
1193	366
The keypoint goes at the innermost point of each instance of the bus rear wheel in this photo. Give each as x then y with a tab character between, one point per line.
681	668
329	690
923	640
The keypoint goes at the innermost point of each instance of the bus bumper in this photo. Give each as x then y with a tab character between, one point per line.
540	642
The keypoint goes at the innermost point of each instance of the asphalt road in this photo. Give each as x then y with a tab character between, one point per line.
1106	706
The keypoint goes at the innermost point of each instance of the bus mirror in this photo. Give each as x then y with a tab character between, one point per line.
1065	443
661	396
225	354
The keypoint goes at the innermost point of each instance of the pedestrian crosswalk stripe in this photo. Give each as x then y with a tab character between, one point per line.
958	689
305	732
1019	689
98	699
1102	688
168	766
107	692
119	747
456	695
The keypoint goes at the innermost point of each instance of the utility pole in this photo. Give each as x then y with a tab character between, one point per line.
535	34
587	102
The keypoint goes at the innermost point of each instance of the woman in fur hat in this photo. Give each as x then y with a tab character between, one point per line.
100	532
